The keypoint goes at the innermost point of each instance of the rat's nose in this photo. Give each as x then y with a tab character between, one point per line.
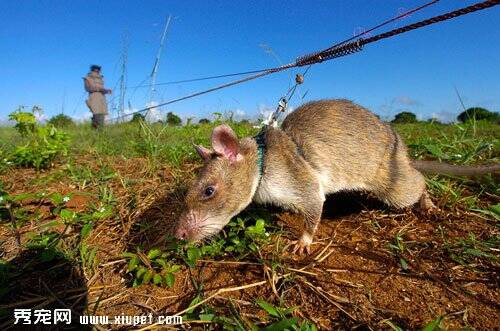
181	233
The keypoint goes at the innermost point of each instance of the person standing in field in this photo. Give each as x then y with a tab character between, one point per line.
94	85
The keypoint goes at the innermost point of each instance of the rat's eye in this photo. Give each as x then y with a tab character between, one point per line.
209	191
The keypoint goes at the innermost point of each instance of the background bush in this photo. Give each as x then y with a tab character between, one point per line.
61	121
137	117
479	114
405	117
173	120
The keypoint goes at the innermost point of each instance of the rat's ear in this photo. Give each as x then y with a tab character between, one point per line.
225	143
205	153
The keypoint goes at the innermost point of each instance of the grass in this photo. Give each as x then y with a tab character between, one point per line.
113	181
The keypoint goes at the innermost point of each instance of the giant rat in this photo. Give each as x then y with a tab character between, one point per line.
322	147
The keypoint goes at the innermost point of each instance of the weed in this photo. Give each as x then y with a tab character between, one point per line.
88	257
277	318
433	325
281	319
84	176
241	237
12	212
151	268
43	144
148	142
471	251
492	211
5	163
398	248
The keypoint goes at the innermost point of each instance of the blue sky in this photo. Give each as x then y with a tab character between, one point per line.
47	46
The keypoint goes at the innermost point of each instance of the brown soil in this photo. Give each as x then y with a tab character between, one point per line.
351	279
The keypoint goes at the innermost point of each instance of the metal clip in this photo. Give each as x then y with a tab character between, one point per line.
273	117
282	105
299	79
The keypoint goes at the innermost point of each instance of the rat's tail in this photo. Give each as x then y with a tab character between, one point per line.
435	167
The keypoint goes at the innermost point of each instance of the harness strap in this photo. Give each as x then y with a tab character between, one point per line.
261	149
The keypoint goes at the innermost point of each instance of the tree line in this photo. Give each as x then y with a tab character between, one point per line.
470	114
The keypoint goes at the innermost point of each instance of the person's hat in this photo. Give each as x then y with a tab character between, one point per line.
95	67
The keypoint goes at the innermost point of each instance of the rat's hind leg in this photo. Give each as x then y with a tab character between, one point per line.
403	189
397	182
400	185
406	195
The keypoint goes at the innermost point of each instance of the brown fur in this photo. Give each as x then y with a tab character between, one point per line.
323	147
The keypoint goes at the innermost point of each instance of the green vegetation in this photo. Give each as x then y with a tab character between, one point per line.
405	117
107	183
154	267
61	121
43	144
243	237
138	117
477	114
281	318
173	119
276	318
471	251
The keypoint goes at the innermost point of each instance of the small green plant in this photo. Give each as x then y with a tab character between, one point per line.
278	318
471	251
5	163
44	240
84	176
241	237
153	267
148	141
398	248
25	121
218	118
88	257
42	144
492	211
281	318
12	211
434	325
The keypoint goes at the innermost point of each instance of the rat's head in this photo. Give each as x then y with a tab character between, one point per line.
224	187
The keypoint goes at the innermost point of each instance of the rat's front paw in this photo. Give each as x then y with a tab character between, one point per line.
304	243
